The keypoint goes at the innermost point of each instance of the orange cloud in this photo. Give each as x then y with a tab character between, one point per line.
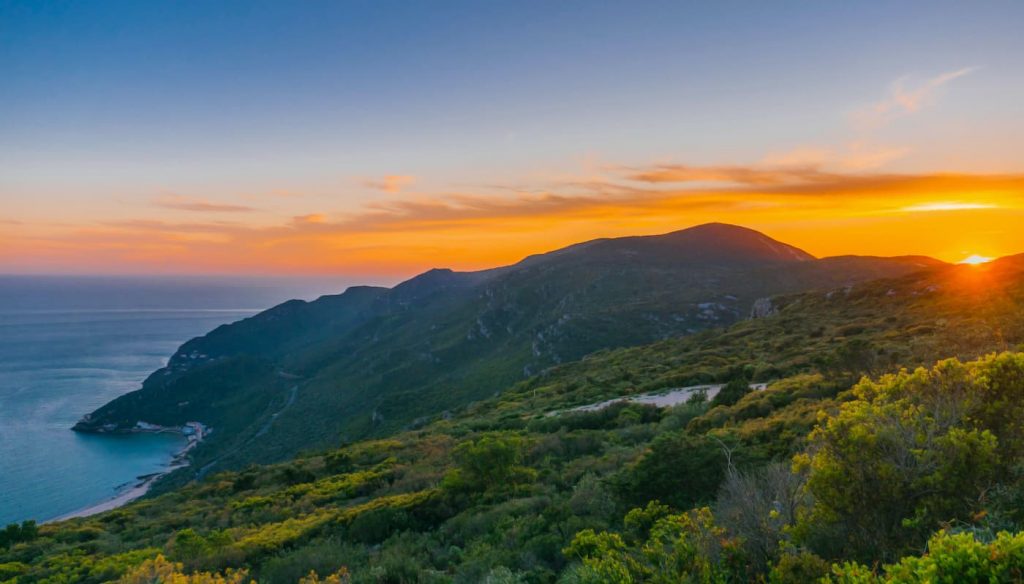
946	206
824	212
311	219
392	183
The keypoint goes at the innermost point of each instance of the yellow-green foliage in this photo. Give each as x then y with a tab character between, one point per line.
403	501
160	571
273	536
911	451
342	576
951	559
373	451
339	486
688	547
254	502
81	567
8	570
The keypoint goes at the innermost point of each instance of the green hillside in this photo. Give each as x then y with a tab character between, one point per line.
822	474
372	361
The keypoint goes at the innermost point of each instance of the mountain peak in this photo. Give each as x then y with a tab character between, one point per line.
709	243
723	241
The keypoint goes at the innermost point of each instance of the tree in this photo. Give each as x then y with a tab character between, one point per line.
688	547
15	533
731	392
896	462
492	461
679	469
856	356
760	507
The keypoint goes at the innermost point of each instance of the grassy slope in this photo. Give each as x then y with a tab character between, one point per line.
384	361
384	506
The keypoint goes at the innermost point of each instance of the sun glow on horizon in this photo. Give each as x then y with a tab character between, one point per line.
974	260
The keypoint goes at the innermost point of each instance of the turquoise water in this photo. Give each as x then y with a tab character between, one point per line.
69	345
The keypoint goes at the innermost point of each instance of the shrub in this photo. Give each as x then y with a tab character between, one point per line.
953	559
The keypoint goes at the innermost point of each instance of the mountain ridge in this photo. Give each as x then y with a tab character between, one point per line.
376	360
517	483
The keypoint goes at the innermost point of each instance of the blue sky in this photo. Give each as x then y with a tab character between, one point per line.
106	105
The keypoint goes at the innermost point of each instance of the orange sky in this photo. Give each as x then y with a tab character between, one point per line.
948	216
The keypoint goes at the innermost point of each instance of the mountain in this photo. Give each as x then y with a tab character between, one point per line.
372	361
525	487
708	244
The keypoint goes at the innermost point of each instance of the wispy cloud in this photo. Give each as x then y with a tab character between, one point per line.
946	206
856	155
182	203
311	219
392	183
905	98
674	191
743	175
862	150
492	226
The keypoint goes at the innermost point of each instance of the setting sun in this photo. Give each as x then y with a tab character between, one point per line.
974	260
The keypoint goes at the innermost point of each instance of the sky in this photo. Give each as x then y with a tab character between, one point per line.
378	139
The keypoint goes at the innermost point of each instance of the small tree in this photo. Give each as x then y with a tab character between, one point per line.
15	533
732	392
897	462
490	462
679	469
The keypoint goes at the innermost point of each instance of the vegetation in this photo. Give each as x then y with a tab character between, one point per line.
371	361
960	558
912	473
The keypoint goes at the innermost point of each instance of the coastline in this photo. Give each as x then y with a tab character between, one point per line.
145	482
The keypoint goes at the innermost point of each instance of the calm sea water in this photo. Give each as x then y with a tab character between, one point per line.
69	345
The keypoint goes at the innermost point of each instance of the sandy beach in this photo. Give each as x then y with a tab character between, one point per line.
129	494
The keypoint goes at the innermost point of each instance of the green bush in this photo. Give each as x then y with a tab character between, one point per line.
951	559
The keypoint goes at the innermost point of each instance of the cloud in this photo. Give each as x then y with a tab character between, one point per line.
150	225
813	156
857	155
675	189
392	183
742	175
466	230
862	151
946	206
311	219
903	99
182	203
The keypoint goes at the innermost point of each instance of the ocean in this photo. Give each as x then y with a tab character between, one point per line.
70	344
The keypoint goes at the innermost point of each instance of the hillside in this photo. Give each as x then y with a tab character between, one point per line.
372	361
504	491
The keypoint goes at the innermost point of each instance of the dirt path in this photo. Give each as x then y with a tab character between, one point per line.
663	399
